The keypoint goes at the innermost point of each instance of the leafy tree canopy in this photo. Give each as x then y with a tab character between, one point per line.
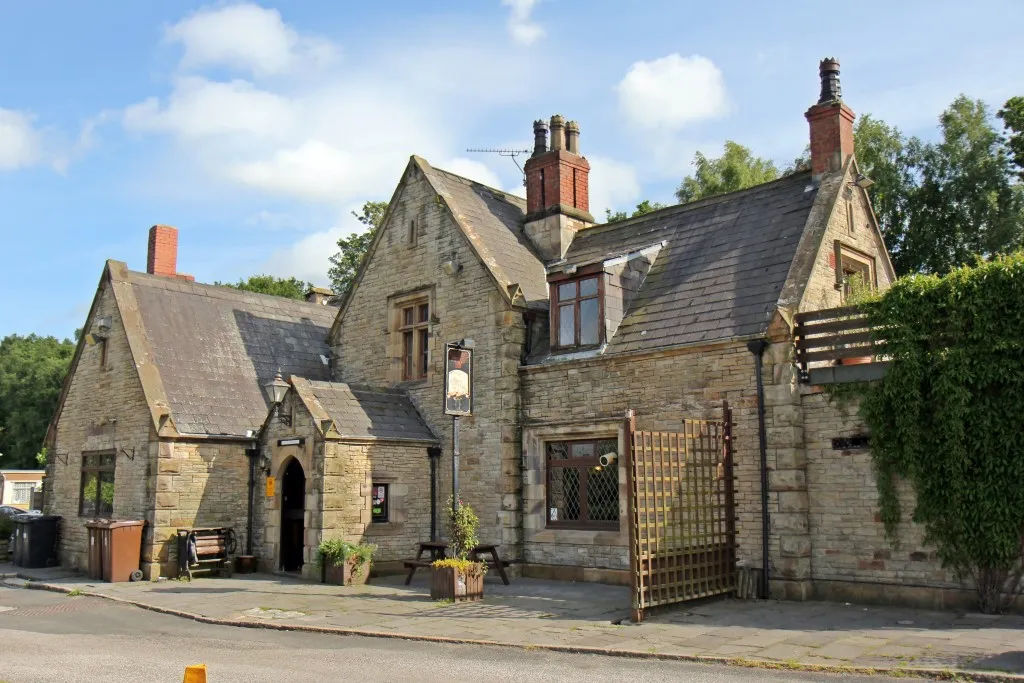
291	288
939	204
644	207
1012	115
736	169
352	249
32	370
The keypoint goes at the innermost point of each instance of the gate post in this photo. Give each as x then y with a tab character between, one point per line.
637	611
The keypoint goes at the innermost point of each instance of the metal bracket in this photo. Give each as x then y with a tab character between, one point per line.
62	461
125	453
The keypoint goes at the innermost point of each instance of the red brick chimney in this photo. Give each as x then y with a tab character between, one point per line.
162	258
831	123
557	188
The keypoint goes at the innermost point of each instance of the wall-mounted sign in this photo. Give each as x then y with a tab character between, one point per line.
291	442
458	380
270	486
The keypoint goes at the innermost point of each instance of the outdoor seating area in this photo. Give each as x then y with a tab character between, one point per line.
437	550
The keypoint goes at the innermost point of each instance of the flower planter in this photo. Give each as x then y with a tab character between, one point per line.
449	583
4	543
348	573
858	360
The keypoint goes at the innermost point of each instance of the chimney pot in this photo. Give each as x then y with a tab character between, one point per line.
828	70
540	137
831	123
572	137
557	132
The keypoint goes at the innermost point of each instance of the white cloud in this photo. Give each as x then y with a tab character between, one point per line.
273	220
248	37
520	25
201	108
474	170
20	142
672	92
307	259
613	185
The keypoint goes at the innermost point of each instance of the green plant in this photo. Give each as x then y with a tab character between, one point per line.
464	567
74	592
946	418
336	551
462	527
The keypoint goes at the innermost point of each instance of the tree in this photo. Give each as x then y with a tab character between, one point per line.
1012	115
644	207
290	288
32	370
345	264
736	169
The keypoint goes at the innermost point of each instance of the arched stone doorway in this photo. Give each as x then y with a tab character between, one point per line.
293	509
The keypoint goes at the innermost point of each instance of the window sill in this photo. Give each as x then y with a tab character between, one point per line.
420	382
581	527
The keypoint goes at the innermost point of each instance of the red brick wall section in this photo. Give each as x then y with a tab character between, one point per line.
831	132
554	170
163	251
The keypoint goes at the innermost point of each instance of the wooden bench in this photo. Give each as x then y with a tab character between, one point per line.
214	548
437	549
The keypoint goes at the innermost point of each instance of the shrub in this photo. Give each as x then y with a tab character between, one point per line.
946	418
336	551
462	527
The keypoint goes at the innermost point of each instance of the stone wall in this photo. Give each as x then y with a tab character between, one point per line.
467	304
589	398
105	409
851	559
198	484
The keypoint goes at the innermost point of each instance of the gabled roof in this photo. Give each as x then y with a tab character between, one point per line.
213	348
719	274
492	221
358	412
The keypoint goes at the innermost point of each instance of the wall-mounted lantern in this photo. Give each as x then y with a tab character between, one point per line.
276	390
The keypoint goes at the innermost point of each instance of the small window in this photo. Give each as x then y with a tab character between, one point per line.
103	354
21	492
410	236
379	503
578	313
581	494
414	326
97	491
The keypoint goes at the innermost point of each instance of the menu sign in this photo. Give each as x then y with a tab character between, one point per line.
458	381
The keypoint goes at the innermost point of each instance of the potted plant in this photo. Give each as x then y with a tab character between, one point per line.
344	564
457	578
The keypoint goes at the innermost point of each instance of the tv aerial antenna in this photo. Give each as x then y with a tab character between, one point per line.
510	153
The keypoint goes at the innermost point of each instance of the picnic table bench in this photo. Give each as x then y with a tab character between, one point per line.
437	549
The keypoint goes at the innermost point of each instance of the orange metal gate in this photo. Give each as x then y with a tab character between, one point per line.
682	512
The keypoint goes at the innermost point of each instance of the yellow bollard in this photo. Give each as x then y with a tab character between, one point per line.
195	674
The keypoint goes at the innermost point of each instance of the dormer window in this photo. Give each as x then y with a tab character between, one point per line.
576	312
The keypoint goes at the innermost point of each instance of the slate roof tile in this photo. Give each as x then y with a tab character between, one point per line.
216	347
371	412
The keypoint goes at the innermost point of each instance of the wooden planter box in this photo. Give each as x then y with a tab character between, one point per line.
447	583
346	573
4	543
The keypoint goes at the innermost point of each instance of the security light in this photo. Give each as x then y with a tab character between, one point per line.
863	182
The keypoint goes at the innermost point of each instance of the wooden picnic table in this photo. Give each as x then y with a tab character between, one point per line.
437	549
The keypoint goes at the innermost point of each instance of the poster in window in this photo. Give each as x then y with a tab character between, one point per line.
379	503
458	381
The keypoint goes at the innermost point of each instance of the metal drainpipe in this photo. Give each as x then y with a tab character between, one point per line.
434	453
253	453
757	347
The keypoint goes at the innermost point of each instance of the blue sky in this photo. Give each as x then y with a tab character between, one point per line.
256	128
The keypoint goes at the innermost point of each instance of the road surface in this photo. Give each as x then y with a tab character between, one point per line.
54	638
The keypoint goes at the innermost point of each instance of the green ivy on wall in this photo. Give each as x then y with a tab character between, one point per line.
948	417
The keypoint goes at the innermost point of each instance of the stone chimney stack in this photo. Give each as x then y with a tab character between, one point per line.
831	123
162	258
557	188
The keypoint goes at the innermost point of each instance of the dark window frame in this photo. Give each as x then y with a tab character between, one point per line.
385	516
850	261
98	463
556	312
585	467
414	328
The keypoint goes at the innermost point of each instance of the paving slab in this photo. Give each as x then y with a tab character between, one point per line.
585	616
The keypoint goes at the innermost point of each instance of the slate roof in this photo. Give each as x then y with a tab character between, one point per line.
722	268
364	412
215	348
493	222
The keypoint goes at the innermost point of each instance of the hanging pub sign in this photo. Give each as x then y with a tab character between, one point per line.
458	380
